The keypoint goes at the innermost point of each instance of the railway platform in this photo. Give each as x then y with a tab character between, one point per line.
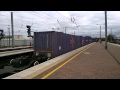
15	52
94	63
91	62
15	48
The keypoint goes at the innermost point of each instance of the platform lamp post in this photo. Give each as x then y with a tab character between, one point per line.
100	30
12	28
9	34
105	29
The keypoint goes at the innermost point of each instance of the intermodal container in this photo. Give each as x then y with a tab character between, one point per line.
53	44
86	38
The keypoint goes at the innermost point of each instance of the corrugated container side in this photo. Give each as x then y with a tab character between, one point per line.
54	43
83	41
69	44
77	43
80	41
44	42
89	39
60	47
72	42
59	42
40	39
64	43
86	40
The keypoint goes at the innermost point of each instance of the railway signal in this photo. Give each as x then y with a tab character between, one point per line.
28	30
1	34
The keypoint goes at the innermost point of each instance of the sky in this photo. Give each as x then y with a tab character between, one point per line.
80	23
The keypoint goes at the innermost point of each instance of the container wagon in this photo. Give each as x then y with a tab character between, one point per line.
52	43
48	45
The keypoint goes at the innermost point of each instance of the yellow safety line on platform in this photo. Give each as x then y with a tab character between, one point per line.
64	63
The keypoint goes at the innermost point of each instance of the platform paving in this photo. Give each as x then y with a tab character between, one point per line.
94	63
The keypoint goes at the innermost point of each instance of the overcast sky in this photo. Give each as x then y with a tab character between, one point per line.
81	22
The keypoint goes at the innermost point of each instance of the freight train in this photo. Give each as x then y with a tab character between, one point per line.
51	44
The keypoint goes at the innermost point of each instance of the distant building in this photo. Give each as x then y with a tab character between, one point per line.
16	37
19	40
19	37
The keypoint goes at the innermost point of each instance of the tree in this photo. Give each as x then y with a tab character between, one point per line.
111	38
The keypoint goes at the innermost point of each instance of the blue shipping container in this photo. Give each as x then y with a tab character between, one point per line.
53	43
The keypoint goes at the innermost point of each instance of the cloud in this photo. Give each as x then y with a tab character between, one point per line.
47	20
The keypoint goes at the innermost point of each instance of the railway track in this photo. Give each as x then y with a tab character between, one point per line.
5	68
